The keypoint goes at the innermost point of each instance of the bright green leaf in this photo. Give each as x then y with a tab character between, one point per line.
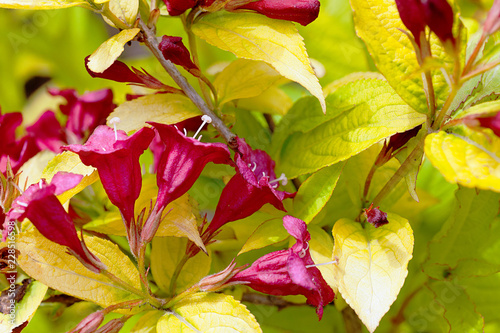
50	264
147	323
24	308
315	192
467	244
110	50
464	161
39	4
204	312
166	254
269	232
70	162
254	36
243	79
372	265
161	108
485	109
272	101
359	114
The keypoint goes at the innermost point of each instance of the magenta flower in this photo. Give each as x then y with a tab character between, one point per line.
84	112
375	216
413	17
289	272
174	50
179	167
177	7
253	186
116	157
8	124
492	23
47	132
300	11
40	205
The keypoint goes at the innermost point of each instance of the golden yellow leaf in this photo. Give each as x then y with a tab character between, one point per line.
39	4
372	265
254	36
125	10
160	108
110	50
203	312
50	264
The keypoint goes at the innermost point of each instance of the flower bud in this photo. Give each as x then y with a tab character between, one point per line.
492	23
412	15
219	280
113	326
90	323
174	50
177	7
439	18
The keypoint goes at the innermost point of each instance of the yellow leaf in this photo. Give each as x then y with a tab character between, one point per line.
372	265
24	308
110	50
70	162
254	36
50	264
272	101
147	323
124	10
321	249
464	161
204	312
32	170
39	4
244	78
160	108
166	254
269	232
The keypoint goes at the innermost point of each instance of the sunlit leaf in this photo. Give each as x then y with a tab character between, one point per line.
166	254
110	50
160	108
466	161
24	308
269	232
125	10
321	249
50	264
40	4
372	265
147	323
256	37
272	101
204	312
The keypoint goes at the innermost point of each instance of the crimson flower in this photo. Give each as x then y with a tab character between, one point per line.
486	121
289	272
246	192
116	157
174	50
179	166
40	205
375	216
47	132
177	7
300	11
84	112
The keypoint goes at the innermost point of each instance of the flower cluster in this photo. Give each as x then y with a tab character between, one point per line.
300	11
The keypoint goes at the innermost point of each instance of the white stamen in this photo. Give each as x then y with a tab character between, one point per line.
264	174
40	184
177	128
333	262
185	132
20	203
199	138
254	166
302	254
206	120
103	148
282	178
114	121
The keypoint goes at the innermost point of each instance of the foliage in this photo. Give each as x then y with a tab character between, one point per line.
139	188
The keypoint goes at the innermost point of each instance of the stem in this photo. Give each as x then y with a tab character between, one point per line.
400	316
152	43
141	266
410	161
425	52
270	122
173	281
368	181
454	90
474	54
481	70
351	321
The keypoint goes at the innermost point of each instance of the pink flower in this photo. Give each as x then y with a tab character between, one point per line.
289	272
47	132
246	192
179	166
116	157
84	112
177	7
492	23
174	50
40	205
300	11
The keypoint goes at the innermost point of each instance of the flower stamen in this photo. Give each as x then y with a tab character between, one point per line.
282	178
114	121
333	262
206	120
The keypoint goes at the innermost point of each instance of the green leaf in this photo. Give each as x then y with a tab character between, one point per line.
269	232
485	109
460	311
469	161
50	264
254	36
377	23
160	108
315	192
70	162
272	101
468	241
372	265
359	114
166	254
24	308
204	312
147	323
243	79
39	4
110	50
485	292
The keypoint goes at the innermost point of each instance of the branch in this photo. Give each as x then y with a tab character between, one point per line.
152	43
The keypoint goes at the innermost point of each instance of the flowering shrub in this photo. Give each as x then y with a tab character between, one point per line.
139	188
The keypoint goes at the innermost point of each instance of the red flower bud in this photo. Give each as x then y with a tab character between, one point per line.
439	18
177	7
174	50
89	324
412	15
375	216
300	11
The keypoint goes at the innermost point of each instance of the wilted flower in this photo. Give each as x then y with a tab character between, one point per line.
40	205
300	11
375	216
289	272
253	186
84	112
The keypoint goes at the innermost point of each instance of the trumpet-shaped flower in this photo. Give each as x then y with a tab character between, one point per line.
289	272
